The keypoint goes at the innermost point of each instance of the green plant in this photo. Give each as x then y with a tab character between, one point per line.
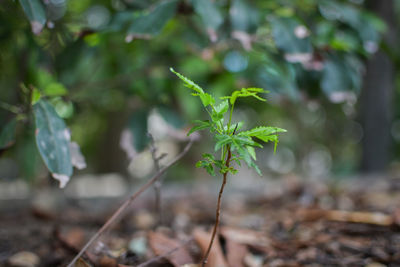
233	144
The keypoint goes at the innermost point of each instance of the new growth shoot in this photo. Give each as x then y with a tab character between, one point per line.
231	143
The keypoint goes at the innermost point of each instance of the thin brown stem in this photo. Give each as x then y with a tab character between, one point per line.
158	183
128	202
218	211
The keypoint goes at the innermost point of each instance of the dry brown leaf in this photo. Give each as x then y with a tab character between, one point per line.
245	236
107	262
162	245
375	218
235	253
216	258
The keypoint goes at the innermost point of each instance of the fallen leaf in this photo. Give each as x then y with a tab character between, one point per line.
235	253
24	259
216	258
82	263
163	245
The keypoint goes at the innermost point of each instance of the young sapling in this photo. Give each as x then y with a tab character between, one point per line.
232	143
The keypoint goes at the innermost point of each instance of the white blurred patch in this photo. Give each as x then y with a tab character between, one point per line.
298	57
244	38
77	159
14	190
62	178
37	27
126	144
301	32
142	165
318	162
97	17
343	96
370	46
91	186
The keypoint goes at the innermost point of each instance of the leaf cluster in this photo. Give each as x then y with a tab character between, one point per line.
233	144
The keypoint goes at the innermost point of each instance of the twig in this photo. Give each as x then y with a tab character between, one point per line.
184	243
158	183
218	211
128	202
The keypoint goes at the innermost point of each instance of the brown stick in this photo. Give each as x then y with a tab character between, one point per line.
128	202
218	211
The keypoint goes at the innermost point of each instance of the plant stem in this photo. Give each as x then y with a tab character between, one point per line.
158	183
129	201
218	211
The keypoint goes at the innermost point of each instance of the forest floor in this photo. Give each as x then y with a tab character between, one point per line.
351	223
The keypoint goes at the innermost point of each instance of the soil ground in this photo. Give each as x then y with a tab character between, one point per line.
351	223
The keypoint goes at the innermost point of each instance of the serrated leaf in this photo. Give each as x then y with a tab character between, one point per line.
187	82
52	140
222	140
7	135
252	152
264	133
36	14
245	155
207	99
151	22
246	92
219	111
201	126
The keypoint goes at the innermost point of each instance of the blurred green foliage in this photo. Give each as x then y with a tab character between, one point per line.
95	61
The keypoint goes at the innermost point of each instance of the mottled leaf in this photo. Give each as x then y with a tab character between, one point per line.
52	140
36	14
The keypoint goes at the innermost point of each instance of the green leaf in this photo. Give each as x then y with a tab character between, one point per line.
187	82
151	22
52	140
36	95
252	152
36	14
201	126
245	92
246	156
7	135
219	111
222	140
205	98
55	89
208	12
264	133
206	165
